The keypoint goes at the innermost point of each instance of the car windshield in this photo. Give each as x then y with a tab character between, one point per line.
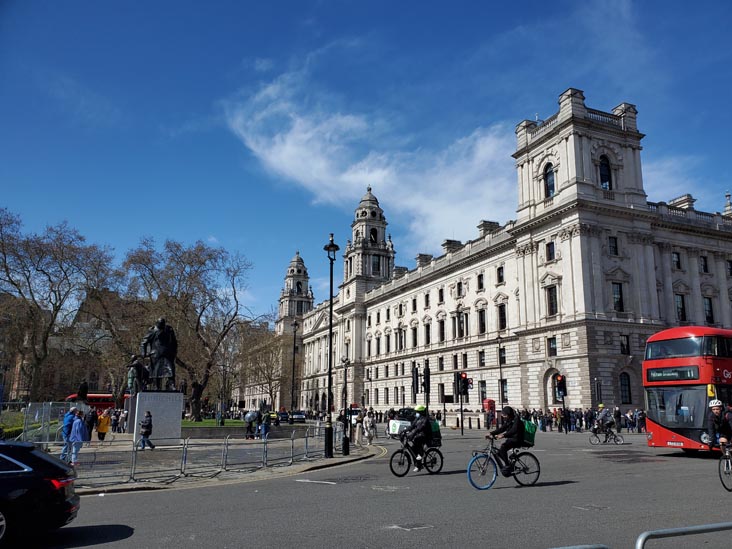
678	406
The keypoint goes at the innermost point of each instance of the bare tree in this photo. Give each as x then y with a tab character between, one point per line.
197	289
48	274
261	363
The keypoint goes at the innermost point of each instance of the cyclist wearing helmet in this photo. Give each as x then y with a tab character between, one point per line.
512	429
605	420
718	424
419	433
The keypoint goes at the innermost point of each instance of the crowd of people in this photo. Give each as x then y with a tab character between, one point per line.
578	420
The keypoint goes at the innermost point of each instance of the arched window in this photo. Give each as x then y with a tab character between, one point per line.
298	287
625	396
373	234
606	177
549	181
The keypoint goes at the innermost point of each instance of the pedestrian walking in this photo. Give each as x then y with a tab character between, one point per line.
68	423
266	423
103	424
146	428
77	437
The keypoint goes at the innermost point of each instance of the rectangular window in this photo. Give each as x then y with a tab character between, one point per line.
550	251
388	313
376	396
465	361
502	356
387	340
618	297
504	391
502	318
376	372
454	362
386	370
703	264
480	281
378	317
441	329
441	393
378	346
612	245
499	275
402	368
368	347
426	300
680	301
400	312
441	364
368	321
427	334
708	311
481	321
460	325
676	260
440	295
414	304
624	345
729	267
375	264
386	395
414	336
460	289
552	306
551	346
482	389
481	359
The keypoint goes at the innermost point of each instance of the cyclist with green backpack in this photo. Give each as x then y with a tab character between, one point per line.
512	430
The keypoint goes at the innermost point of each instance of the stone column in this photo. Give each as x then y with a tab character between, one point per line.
654	313
724	303
695	307
669	305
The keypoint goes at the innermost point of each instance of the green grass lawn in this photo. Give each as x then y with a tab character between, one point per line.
212	423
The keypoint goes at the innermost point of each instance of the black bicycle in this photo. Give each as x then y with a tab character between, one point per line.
402	459
483	467
610	436
725	468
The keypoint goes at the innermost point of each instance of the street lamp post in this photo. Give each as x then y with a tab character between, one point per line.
346	403
292	383
331	248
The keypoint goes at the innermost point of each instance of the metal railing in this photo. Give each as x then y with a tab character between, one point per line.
640	542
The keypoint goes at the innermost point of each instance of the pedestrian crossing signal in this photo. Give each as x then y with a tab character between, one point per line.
561	385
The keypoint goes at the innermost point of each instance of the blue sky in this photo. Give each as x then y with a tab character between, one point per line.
260	124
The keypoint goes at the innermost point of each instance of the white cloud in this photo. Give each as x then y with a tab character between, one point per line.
82	103
667	178
439	194
212	240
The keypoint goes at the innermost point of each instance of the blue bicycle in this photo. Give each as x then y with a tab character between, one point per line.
483	467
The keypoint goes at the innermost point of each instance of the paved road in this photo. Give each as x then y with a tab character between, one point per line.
586	494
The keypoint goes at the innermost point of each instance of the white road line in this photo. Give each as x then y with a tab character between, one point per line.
315	481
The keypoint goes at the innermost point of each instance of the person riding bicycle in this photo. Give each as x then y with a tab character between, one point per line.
419	433
605	420
718	424
512	430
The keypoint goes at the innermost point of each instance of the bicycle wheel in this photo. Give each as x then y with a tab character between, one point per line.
526	469
725	472
482	471
433	461
619	439
400	463
594	439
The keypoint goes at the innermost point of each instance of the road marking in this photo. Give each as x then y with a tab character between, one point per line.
389	488
409	527
315	481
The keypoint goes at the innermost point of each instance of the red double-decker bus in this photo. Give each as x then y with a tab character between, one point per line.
100	401
683	369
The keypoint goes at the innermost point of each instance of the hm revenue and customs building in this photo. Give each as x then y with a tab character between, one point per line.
587	271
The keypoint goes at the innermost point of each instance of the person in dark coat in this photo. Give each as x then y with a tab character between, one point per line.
419	433
146	427
512	430
91	421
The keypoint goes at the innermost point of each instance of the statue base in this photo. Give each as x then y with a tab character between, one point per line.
166	408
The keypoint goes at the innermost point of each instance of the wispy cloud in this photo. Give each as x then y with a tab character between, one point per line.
212	240
84	105
336	155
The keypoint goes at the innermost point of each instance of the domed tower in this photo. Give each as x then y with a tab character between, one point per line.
369	254
296	297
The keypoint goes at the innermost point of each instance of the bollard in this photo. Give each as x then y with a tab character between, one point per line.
470	423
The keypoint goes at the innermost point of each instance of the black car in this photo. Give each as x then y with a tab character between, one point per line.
36	490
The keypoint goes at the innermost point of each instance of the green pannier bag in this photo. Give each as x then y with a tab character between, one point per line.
529	432
436	440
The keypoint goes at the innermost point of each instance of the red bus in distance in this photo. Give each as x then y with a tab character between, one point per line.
101	401
683	369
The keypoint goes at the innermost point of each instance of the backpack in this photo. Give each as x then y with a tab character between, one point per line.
529	432
436	438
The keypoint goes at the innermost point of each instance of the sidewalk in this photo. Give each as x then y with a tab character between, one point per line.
213	478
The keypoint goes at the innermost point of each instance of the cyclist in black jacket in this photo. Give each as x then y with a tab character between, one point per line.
512	430
419	433
718	423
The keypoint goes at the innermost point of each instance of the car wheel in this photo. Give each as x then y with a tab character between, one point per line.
4	527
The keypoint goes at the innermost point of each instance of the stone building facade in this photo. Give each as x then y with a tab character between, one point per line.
573	286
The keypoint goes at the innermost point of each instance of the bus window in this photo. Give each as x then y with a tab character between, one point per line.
673	348
677	406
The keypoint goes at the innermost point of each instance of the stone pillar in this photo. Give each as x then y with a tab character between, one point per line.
724	304
652	291
695	307
669	305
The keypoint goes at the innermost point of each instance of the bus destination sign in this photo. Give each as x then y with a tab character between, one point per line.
672	374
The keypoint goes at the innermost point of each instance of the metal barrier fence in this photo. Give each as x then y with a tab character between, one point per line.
640	542
119	460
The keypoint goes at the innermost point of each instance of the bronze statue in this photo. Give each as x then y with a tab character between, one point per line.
161	346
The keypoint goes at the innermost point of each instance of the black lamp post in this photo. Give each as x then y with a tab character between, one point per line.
331	248
292	383
346	405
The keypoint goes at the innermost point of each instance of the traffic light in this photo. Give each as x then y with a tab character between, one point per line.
470	383
464	383
561	385
415	379
426	379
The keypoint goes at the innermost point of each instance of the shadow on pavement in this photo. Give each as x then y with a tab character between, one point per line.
85	536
